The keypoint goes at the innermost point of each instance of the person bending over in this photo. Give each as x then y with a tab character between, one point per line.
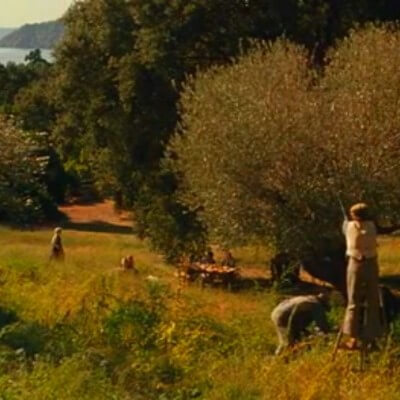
293	316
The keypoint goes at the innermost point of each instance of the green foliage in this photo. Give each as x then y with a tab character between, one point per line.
174	229
24	337
14	77
132	325
71	379
31	105
23	196
25	93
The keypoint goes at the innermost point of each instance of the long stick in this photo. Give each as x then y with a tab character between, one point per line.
341	206
337	343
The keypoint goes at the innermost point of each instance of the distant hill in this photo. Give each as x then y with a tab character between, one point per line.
32	36
5	31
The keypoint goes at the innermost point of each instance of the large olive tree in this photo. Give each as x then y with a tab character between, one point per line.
268	149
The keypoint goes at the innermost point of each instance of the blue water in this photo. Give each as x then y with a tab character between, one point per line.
18	55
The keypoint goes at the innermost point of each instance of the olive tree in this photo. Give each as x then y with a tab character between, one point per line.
235	122
267	149
360	116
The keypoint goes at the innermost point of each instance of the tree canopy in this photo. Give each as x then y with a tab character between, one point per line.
268	147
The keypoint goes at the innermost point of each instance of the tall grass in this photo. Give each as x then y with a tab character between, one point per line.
87	330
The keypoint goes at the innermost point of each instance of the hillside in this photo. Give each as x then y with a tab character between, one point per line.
32	36
5	31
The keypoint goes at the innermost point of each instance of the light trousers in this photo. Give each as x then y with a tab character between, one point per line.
363	315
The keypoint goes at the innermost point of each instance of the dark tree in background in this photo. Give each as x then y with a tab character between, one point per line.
24	198
25	94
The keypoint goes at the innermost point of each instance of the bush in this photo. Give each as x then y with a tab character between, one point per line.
23	195
172	227
73	378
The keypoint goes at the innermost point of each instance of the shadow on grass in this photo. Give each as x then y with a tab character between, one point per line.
30	338
7	317
295	289
244	283
19	335
98	226
391	281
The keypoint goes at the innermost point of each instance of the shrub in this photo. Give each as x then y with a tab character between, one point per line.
23	195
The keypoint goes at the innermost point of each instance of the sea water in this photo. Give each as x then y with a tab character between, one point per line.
18	55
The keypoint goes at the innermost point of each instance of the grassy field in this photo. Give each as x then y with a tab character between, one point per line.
87	330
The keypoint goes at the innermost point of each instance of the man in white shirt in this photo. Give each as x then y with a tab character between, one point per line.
363	318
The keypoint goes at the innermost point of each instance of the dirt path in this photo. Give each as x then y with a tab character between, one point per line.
102	214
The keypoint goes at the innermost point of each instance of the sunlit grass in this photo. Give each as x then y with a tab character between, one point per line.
389	256
216	344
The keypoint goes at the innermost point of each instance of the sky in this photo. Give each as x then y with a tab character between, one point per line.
14	13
